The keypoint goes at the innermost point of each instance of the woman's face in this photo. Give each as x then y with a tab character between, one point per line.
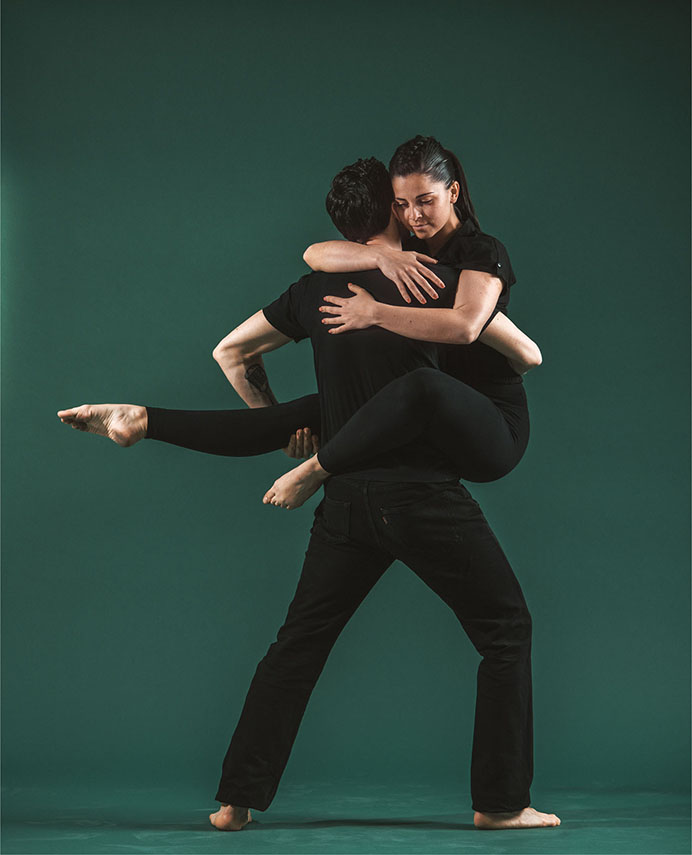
422	205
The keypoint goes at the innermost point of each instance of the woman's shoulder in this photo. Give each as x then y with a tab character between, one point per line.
470	247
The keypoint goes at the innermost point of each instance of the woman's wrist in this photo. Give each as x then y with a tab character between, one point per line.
381	255
377	313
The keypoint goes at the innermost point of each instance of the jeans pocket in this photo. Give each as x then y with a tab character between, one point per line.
333	520
432	523
417	496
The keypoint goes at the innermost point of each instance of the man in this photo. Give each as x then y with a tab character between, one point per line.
406	504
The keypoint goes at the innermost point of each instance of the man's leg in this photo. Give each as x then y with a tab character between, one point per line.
445	539
337	575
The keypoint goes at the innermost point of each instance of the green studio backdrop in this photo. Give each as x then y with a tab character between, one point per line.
165	166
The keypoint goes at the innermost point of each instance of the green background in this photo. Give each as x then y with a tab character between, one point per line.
165	165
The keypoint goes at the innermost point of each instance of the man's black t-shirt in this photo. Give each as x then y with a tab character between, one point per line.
352	366
468	248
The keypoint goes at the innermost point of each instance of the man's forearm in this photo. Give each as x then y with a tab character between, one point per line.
247	376
240	356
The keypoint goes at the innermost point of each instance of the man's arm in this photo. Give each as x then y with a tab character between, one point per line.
240	356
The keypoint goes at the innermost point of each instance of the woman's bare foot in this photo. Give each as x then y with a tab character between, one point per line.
297	485
526	818
125	424
229	818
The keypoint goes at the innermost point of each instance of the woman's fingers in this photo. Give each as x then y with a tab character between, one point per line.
332	310
423	282
421	257
402	290
339	301
336	320
433	277
411	285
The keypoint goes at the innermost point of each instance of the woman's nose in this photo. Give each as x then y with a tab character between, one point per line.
415	215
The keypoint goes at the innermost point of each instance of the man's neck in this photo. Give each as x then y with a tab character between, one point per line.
389	238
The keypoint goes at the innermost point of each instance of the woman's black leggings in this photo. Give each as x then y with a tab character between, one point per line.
484	434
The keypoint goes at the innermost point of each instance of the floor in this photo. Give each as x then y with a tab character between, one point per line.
338	817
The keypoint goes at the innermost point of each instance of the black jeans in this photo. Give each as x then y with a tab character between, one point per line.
440	532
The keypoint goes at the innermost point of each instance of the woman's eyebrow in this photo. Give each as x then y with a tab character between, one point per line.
419	196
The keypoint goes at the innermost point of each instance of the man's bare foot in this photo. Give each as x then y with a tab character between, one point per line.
125	424
297	485
229	818
526	818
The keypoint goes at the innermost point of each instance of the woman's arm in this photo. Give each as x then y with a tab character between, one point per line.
477	295
405	269
505	336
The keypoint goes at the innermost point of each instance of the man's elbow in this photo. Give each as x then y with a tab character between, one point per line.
227	351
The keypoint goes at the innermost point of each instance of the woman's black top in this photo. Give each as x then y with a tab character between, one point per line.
468	248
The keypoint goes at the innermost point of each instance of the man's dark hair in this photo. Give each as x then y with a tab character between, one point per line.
360	199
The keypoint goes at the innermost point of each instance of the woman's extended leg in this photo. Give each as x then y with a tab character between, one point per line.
231	433
484	440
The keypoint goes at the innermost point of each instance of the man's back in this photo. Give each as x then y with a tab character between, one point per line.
352	366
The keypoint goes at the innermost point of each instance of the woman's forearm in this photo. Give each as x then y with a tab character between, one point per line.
455	326
341	256
445	326
505	336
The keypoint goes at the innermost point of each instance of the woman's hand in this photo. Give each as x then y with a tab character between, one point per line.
352	313
304	443
406	270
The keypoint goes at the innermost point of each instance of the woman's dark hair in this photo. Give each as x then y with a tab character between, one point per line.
426	155
360	199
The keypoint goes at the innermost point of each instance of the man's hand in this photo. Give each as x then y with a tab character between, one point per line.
304	443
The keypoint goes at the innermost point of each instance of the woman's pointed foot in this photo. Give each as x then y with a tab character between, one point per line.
230	818
297	485
125	424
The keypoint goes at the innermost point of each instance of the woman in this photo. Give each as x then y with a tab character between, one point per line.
480	425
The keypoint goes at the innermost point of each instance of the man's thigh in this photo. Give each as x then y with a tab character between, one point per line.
444	537
337	575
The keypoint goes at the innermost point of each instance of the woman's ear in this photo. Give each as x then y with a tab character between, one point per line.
454	189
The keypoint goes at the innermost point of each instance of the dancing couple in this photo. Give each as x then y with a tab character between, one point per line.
419	375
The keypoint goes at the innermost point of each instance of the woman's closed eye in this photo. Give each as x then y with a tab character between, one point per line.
420	202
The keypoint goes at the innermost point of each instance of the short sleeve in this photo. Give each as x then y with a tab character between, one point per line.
284	313
487	253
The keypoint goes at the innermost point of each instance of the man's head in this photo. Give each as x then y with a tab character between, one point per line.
360	200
